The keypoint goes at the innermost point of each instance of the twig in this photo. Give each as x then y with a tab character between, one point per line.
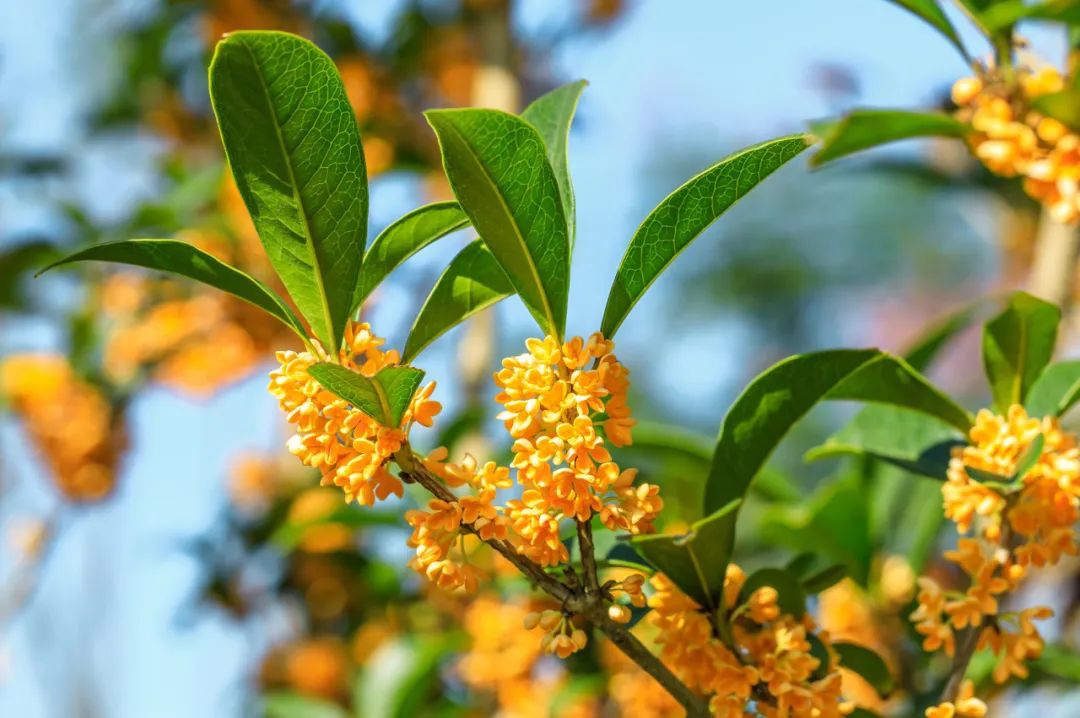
588	558
964	652
587	602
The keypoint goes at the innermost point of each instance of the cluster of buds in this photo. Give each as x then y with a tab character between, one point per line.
349	448
966	705
1019	521
72	425
1012	139
561	637
765	656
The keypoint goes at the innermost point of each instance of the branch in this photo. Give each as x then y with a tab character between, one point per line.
588	603
964	652
1053	269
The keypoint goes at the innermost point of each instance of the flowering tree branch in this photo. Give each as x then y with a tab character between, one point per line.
586	601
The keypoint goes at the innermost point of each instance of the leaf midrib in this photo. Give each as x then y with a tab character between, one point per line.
516	231
327	317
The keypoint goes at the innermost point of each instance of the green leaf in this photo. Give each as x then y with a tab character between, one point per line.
404	238
1017	344
17	261
1003	15
384	397
291	139
913	441
397	679
696	562
186	260
294	705
1058	661
790	596
825	578
471	282
863	129
867	664
552	114
498	168
931	12
1055	391
684	214
1028	459
1063	106
781	395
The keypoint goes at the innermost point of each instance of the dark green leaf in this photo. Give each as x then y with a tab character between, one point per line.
498	168
186	260
552	114
931	12
1017	344
1063	106
404	238
471	282
863	129
790	596
294	705
825	578
15	262
291	139
1061	662
696	562
927	347
867	664
781	395
1055	391
684	214
385	397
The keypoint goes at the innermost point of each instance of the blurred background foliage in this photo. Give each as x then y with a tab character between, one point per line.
166	555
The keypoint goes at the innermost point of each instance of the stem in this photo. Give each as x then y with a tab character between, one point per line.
964	652
588	603
1053	270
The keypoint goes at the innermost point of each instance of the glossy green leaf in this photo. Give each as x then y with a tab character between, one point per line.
780	396
867	664
471	282
863	129
1055	391
931	12
1017	345
186	260
404	238
684	214
498	168
696	562
552	114
292	142
790	595
913	441
295	705
1063	106
384	397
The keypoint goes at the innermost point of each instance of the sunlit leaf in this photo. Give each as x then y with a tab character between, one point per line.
292	142
186	260
863	129
552	114
384	397
294	705
696	562
1055	391
780	396
684	214
404	238
1017	344
1003	15
397	679
1063	106
498	168
471	282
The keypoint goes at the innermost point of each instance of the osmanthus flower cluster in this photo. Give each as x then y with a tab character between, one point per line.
73	426
765	658
1008	527
1014	140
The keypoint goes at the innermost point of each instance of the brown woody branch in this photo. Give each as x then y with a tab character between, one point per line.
587	601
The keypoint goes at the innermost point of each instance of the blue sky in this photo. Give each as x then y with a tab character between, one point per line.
725	73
